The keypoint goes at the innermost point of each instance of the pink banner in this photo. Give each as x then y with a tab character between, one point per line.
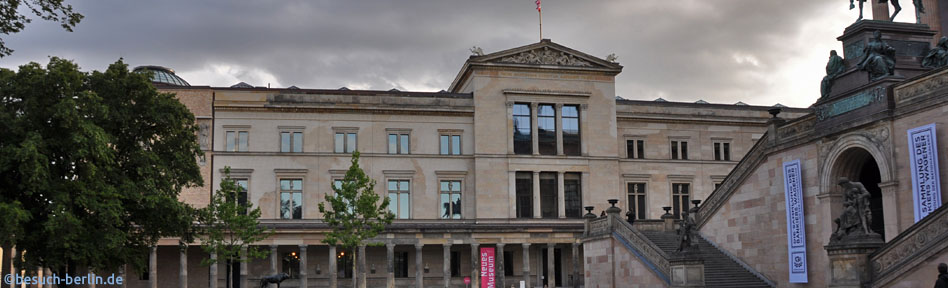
487	268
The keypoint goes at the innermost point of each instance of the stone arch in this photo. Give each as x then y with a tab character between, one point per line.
849	157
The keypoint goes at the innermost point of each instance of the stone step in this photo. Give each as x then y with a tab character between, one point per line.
719	269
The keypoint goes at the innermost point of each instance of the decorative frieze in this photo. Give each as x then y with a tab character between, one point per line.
545	56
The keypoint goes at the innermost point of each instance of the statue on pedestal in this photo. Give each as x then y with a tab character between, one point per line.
938	56
856	217
686	233
834	67
880	58
919	8
275	278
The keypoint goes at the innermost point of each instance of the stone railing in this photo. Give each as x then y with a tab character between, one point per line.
649	225
908	250
653	256
734	179
599	227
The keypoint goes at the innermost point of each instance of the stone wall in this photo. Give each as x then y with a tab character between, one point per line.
610	264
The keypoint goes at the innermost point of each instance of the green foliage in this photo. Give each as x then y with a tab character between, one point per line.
12	21
228	226
91	165
354	211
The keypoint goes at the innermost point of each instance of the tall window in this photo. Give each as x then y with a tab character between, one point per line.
679	150
524	183
722	151
399	198
637	202
450	144
680	198
549	202
345	142
572	191
508	268
451	199
242	188
398	143
635	149
401	264
291	264
571	139
546	129
523	139
291	198
337	183
237	141
455	264
291	141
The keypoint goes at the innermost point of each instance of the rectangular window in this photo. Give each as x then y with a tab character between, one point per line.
722	151
291	142
291	198
398	143
523	139
291	264
399	198
680	198
242	189
237	141
508	263
345	142
571	139
450	144
679	150
546	129
635	149
524	183
337	184
548	195
401	264
572	191
450	199
636	199
455	264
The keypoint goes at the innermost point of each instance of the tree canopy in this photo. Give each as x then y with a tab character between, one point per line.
91	165
12	21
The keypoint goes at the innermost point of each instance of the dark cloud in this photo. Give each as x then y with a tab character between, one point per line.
759	52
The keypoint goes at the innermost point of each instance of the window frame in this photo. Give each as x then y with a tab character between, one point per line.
292	193
679	148
454	141
540	144
394	206
641	210
237	131
346	140
638	148
530	113
721	149
451	193
293	133
676	197
579	132
402	136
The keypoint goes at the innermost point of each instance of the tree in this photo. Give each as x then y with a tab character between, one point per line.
229	224
354	212
91	165
12	21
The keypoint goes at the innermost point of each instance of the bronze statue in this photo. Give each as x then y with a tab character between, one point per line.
919	8
834	67
938	56
275	278
857	216
880	58
686	232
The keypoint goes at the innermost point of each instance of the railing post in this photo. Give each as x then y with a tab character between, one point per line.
613	214
668	219
588	220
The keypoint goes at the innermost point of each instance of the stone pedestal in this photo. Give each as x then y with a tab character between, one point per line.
668	221
687	270
849	260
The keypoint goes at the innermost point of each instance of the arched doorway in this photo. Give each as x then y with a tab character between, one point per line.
858	165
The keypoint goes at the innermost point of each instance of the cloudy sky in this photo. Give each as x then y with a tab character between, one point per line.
760	52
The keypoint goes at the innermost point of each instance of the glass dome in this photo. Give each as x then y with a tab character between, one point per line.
162	75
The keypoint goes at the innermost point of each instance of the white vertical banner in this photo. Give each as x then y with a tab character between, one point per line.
796	232
923	157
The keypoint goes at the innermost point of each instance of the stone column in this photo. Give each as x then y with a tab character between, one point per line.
891	213
304	275
153	267
244	282
361	265
475	265
419	266
390	266
536	194
333	281
559	128
576	276
273	259
584	183
526	264
533	128
499	261
510	128
212	274
512	194
550	264
560	195
183	267
446	270
583	139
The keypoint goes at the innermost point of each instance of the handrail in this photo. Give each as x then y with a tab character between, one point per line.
906	251
645	247
742	170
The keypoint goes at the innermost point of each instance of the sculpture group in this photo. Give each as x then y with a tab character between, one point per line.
919	8
856	217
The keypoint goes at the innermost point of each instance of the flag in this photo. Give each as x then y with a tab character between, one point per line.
538	5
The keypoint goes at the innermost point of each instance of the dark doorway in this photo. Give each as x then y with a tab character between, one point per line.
869	177
344	265
234	273
557	259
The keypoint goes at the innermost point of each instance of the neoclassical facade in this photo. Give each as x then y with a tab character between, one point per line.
506	158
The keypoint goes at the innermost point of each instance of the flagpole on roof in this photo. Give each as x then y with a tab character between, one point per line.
540	12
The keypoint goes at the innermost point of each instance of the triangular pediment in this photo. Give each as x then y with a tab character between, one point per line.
546	53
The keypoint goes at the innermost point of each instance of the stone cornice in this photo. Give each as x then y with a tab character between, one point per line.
912	247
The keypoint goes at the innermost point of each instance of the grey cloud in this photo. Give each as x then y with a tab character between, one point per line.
680	50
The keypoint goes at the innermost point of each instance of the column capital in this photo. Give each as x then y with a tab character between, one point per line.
447	244
525	245
501	244
274	247
419	245
389	246
303	246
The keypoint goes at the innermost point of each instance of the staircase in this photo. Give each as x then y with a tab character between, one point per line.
719	269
